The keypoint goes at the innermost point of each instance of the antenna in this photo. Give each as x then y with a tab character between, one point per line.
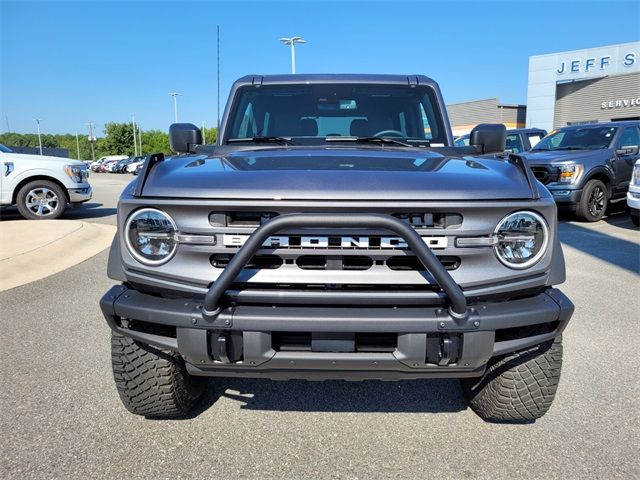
218	107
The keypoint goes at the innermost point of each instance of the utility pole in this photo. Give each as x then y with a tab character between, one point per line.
78	145
175	96
6	119
39	136
218	73
135	142
292	43
140	140
204	138
91	141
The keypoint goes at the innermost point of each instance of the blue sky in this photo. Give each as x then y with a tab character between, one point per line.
73	62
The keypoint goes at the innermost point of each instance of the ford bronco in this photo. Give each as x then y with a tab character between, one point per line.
334	232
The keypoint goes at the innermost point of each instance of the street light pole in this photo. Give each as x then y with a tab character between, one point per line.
78	145
204	138
135	142
175	96
292	42
39	136
91	141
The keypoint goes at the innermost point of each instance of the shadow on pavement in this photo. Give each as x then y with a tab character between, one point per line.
617	251
86	211
411	396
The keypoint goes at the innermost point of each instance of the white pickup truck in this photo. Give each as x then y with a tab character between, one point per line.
41	187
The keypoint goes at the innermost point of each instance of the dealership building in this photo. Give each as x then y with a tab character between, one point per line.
566	88
466	115
584	86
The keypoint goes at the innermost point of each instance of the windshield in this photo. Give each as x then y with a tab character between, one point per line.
5	149
335	110
587	138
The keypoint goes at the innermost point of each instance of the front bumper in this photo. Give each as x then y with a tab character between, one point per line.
633	199
80	194
427	342
565	197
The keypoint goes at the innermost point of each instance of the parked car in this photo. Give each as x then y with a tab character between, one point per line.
41	187
121	165
585	167
110	165
139	160
104	160
335	232
633	195
518	139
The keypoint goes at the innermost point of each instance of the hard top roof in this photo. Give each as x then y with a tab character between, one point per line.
319	78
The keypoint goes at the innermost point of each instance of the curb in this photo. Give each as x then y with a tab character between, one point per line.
34	249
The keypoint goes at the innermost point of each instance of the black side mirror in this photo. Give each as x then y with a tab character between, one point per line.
628	150
183	137
490	137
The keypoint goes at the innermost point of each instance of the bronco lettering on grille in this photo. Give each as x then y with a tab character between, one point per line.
352	242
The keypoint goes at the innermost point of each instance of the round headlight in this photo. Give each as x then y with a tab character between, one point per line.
150	236
522	239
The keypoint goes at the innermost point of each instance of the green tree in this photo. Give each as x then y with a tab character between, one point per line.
118	140
155	141
210	135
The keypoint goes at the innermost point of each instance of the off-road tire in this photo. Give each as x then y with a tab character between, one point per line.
636	220
584	208
518	387
23	193
153	382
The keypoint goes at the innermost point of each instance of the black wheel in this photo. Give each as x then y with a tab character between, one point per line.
519	387
153	382
593	202
636	220
41	200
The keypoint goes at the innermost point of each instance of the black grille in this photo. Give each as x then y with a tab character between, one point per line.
545	174
436	220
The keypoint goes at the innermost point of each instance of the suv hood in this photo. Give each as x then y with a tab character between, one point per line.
337	174
546	157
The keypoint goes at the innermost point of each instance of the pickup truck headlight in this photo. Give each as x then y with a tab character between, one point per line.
635	178
77	173
569	173
522	239
150	235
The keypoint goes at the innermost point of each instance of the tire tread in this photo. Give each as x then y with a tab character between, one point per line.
518	387
152	382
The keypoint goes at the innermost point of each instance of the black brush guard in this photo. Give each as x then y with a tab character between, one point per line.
457	302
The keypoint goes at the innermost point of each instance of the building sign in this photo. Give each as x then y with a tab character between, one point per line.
621	103
594	63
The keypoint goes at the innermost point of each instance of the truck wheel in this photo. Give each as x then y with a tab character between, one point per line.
518	387
41	200
593	202
153	382
636	220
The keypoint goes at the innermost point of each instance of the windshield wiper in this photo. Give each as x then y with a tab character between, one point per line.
380	140
570	148
262	139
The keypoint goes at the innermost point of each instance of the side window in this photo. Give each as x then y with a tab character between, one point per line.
514	143
630	137
534	138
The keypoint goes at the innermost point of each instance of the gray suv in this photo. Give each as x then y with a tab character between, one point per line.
335	232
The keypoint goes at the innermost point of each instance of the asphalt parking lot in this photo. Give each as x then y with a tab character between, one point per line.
62	418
